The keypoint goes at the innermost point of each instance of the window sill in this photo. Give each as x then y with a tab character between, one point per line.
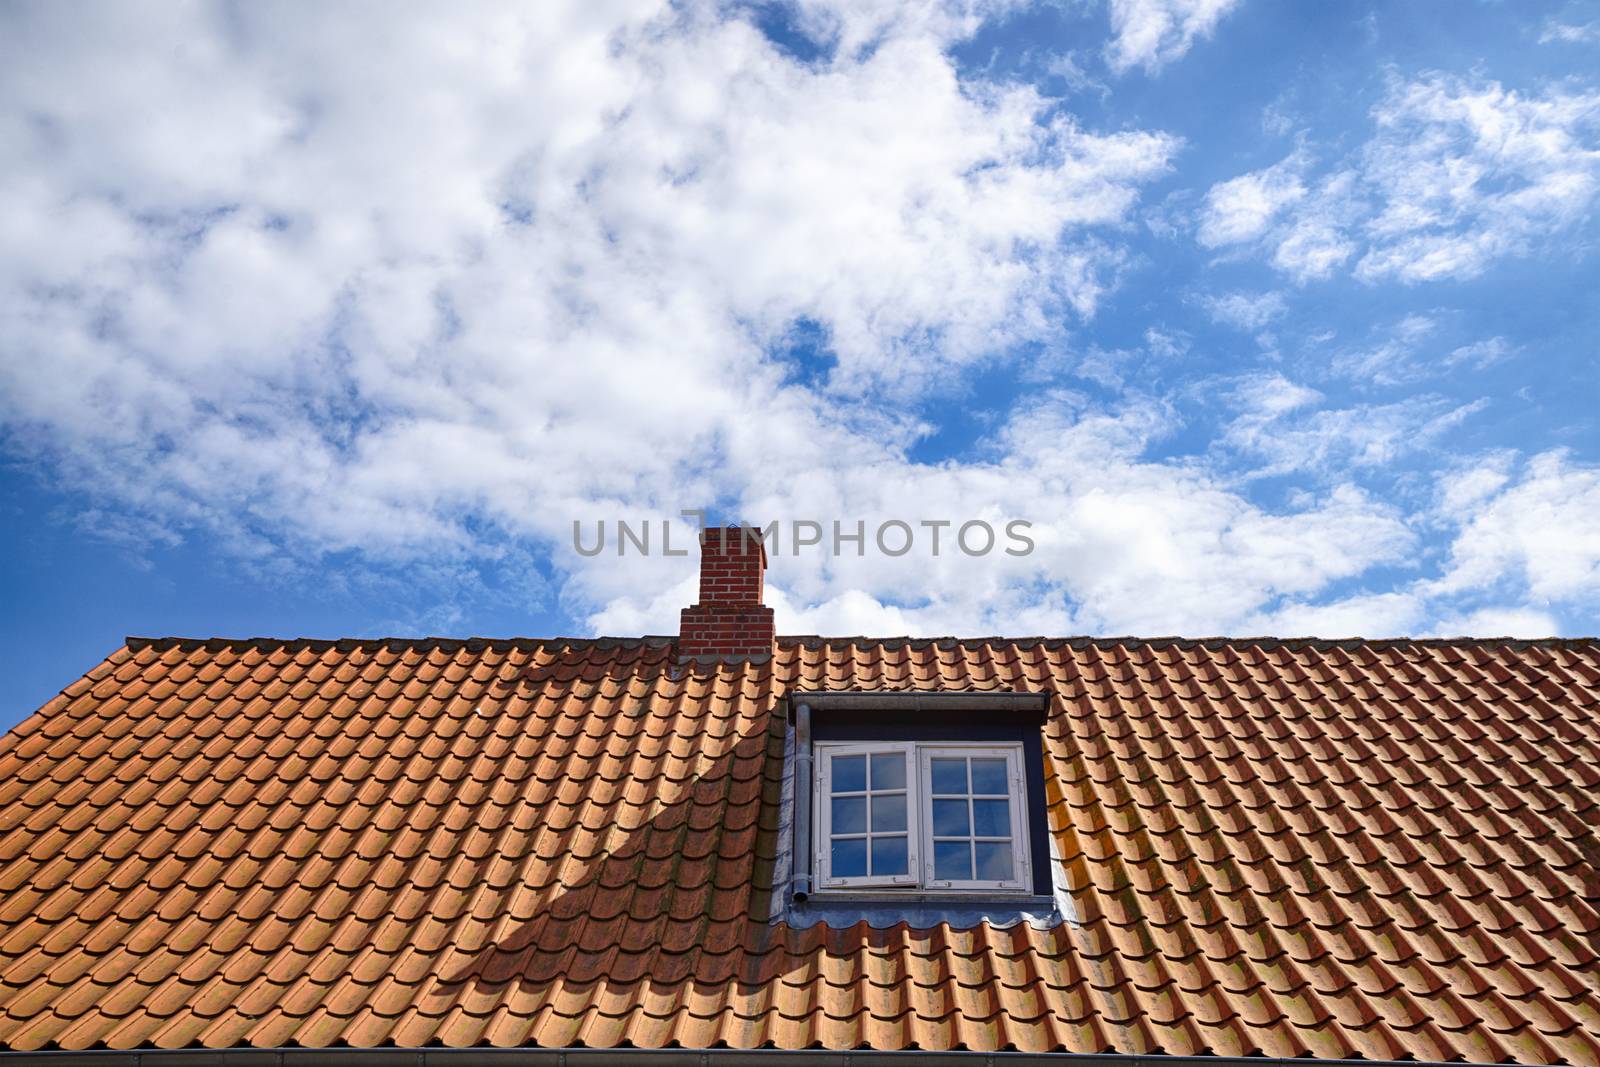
1011	898
921	909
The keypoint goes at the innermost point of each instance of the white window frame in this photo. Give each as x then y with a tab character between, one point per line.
1021	869
919	815
825	755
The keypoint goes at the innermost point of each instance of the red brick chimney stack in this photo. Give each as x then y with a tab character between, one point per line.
729	621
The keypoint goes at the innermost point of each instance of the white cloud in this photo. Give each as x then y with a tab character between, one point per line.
1524	550
1123	544
1525	623
1456	174
1165	344
1471	172
1277	428
1153	33
852	26
1395	614
1569	33
1245	311
504	264
1314	243
1539	532
1243	208
1270	395
1500	622
1277	118
1480	354
1473	483
1067	67
1399	355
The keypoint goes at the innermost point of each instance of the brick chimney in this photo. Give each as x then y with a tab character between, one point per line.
729	621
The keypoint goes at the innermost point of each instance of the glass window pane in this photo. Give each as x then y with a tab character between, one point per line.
991	818
952	860
994	861
850	858
950	818
889	771
889	856
849	815
989	776
888	813
949	775
849	774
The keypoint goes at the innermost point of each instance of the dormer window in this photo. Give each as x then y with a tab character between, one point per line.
929	815
919	795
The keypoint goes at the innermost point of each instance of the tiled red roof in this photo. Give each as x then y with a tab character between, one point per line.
1383	849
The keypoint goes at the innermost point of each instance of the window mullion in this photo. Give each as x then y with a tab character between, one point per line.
914	813
1021	860
925	807
821	818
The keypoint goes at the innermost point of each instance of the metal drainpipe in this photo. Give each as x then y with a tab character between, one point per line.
802	801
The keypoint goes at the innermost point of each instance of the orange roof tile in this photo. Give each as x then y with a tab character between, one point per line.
1334	849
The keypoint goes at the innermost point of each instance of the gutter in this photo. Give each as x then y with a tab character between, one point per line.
641	1057
802	801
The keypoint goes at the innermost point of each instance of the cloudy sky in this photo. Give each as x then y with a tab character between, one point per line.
332	319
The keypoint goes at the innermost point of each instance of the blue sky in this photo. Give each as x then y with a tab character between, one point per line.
1271	318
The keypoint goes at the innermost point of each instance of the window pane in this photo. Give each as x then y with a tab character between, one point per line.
849	815
989	776
850	858
888	813
949	775
994	861
849	774
952	860
889	855
889	771
991	818
950	818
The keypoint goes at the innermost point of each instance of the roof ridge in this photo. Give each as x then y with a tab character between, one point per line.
135	642
1265	641
500	644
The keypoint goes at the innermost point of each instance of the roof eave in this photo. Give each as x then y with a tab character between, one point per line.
642	1057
